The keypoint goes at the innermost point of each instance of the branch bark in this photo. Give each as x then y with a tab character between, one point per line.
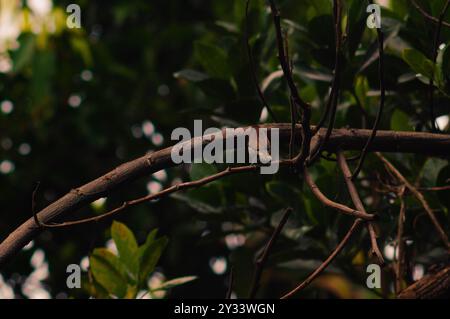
359	205
345	139
419	196
431	286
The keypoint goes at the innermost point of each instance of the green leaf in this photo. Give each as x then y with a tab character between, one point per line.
174	283
93	288
201	170
191	75
213	59
419	62
431	170
23	56
127	246
361	89
108	271
131	292
149	256
150	238
400	121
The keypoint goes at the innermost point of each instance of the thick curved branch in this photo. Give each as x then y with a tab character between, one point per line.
431	286
345	139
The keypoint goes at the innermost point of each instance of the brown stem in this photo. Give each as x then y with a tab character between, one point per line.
252	66
400	244
327	202
359	205
364	152
261	261
334	93
150	197
325	264
230	284
434	189
427	15
298	101
33	204
419	196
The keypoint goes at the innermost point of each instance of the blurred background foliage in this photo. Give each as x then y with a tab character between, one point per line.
76	103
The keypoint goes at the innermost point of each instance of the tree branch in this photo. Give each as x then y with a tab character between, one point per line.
400	243
328	202
419	197
345	139
295	96
333	99
261	261
325	264
359	205
380	36
427	15
150	197
251	62
431	286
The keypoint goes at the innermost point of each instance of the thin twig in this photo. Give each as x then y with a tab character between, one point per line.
427	15
364	152
167	191
261	261
230	284
298	101
359	205
334	93
33	204
419	196
325	264
400	243
334	85
252	65
291	101
293	121
328	202
434	189
437	37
